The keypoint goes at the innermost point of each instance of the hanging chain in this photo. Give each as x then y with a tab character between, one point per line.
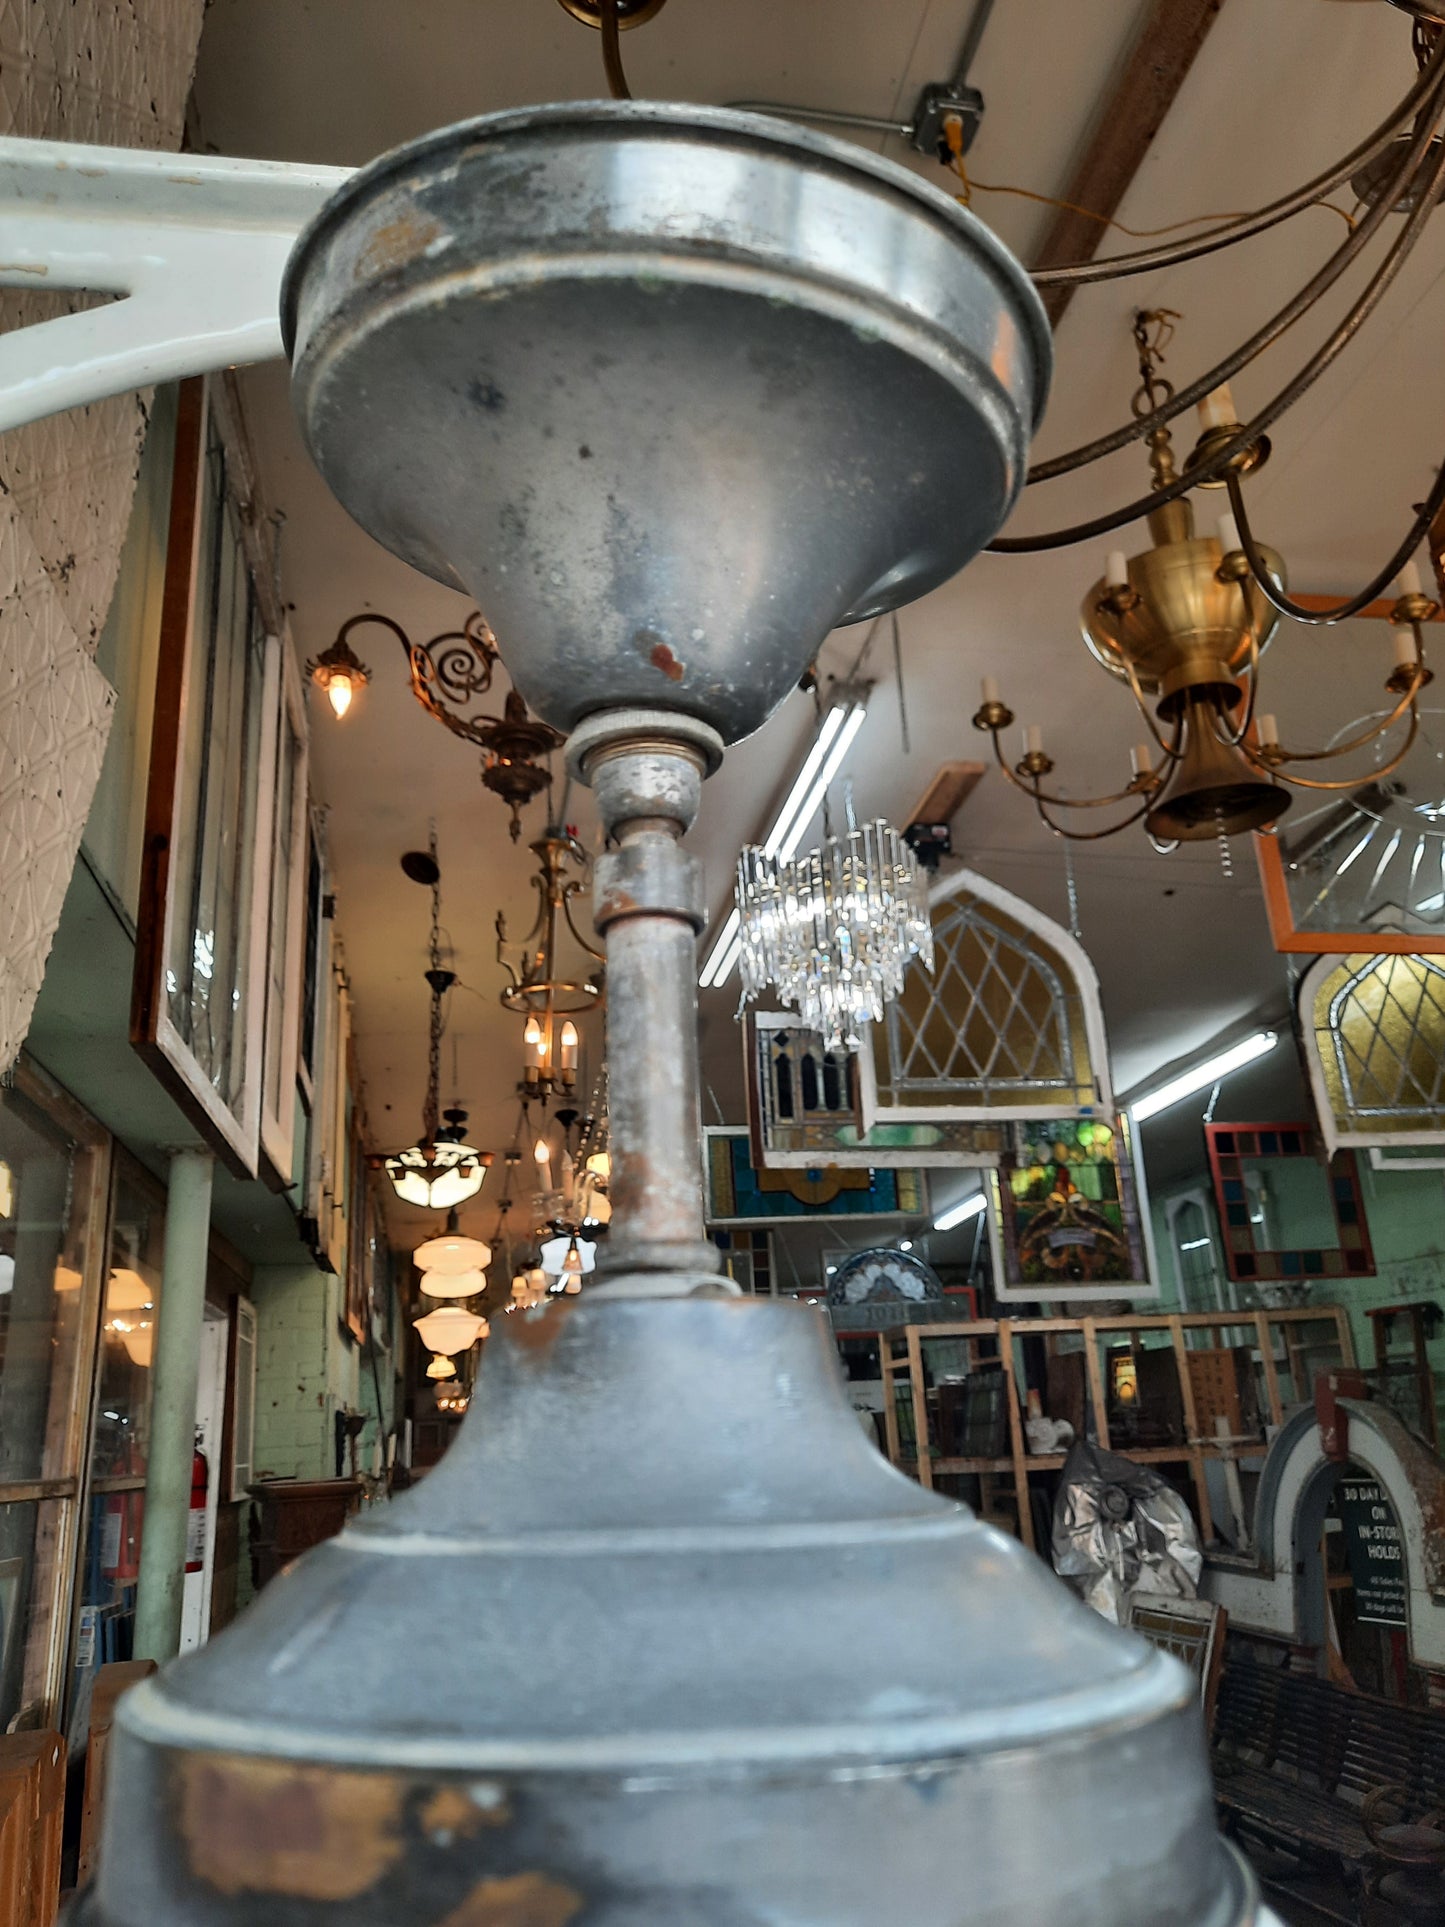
1072	886
1153	332
1226	859
431	1115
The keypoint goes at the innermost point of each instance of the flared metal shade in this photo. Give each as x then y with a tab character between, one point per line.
670	391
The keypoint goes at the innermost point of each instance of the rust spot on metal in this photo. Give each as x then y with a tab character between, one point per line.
524	1900
273	1827
451	1811
661	657
394	245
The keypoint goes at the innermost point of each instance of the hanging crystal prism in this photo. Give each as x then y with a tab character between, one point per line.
834	931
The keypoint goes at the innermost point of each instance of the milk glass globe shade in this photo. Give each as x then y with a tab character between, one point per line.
449	1329
451	1254
453	1284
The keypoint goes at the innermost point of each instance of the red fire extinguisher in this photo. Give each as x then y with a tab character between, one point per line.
121	1524
196	1517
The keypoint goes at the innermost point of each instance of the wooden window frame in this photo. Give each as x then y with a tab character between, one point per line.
278	1105
234	1136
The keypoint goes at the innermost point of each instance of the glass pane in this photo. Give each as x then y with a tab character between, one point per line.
1291	1206
288	801
31	1544
206	976
122	1424
46	1184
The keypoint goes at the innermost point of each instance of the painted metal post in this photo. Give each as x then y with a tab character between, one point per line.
161	1586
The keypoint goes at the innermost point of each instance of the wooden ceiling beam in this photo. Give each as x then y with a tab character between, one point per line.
1130	115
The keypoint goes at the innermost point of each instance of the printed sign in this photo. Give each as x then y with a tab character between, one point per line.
1375	1549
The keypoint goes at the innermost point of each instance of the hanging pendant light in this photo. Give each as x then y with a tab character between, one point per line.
549	1001
441	1368
451	1256
441	1170
449	1329
568	1257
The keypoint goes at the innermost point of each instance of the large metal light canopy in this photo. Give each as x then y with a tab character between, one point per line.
671	392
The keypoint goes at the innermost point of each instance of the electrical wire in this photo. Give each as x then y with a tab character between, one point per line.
1284	318
1219	462
1284	209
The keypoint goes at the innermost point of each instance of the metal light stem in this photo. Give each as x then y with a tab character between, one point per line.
647	772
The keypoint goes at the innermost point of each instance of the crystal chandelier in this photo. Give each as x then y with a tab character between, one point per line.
441	1170
834	931
1184	624
549	1002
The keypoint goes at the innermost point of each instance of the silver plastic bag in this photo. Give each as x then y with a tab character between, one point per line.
1121	1531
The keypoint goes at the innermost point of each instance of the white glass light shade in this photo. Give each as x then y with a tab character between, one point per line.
600	1165
554	1255
441	1368
452	1254
436	1176
453	1284
449	1329
126	1291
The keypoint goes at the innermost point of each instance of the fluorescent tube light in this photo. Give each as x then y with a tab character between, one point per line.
959	1213
1194	1244
822	763
1205	1074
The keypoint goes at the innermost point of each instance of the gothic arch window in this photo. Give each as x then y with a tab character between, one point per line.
1008	1025
1374	1040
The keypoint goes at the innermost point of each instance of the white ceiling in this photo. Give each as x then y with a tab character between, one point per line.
1280	89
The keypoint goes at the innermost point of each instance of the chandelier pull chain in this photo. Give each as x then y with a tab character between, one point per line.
431	1116
1226	859
1072	886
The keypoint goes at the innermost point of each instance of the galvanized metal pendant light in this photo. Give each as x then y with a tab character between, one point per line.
673	392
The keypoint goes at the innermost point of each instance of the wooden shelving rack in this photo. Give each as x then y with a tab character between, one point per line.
1269	1328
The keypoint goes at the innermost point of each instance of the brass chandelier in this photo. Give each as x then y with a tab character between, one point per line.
548	1001
1185	624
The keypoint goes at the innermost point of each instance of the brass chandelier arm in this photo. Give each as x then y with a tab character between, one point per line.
1313	291
1078	273
1365	737
590	948
1031	788
1235	739
1344	782
1171	750
1221	460
1091	836
1352	605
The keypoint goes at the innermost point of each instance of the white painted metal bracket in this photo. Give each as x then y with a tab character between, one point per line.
193	246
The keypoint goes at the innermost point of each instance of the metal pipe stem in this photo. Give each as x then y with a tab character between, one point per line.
161	1586
647	773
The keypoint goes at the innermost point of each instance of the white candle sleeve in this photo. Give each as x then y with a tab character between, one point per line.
1267	730
1217	408
1408	580
1033	740
1116	569
1229	540
990	689
1406	652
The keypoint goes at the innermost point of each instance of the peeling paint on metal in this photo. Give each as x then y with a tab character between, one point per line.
272	1827
523	1900
394	245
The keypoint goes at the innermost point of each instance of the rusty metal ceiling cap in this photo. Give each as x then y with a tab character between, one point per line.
666	1617
671	391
